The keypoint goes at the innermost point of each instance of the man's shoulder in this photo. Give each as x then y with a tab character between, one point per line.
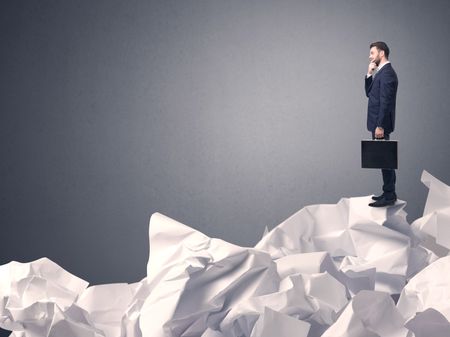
388	72
390	68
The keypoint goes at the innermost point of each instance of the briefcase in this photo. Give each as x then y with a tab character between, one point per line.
379	154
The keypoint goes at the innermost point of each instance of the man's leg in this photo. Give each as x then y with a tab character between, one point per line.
389	179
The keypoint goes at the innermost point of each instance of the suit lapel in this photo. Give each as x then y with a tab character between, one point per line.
377	75
382	69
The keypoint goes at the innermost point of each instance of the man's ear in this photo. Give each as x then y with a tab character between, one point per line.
382	51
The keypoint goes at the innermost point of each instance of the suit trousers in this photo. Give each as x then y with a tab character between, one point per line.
389	177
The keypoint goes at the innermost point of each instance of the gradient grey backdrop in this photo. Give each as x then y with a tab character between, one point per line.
228	116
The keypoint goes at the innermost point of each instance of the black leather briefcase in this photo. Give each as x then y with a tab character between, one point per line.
379	154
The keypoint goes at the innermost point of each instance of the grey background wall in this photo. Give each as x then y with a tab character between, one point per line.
228	116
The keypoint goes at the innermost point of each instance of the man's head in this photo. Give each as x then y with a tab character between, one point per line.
379	52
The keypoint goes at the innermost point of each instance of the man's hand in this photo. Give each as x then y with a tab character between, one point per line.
371	69
379	133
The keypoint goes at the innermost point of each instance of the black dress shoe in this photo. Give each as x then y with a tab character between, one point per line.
382	196
378	197
383	202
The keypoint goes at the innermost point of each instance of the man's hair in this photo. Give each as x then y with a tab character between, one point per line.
381	46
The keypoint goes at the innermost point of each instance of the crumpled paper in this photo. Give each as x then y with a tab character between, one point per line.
436	215
369	314
353	233
273	323
328	270
429	323
38	299
428	289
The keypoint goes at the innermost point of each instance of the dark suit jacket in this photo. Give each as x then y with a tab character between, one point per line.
382	93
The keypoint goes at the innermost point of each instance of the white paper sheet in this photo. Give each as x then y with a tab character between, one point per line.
370	314
312	275
429	323
436	216
273	323
33	294
428	289
354	231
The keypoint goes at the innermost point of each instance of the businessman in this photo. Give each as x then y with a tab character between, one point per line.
381	89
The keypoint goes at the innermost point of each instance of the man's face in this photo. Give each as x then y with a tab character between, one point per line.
374	56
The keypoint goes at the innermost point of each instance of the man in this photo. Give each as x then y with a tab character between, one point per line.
381	89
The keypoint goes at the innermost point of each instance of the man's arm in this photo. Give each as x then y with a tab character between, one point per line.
369	77
388	86
368	84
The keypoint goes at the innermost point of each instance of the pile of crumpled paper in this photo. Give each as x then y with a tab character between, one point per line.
328	270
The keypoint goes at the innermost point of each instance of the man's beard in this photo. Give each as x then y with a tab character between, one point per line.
377	61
